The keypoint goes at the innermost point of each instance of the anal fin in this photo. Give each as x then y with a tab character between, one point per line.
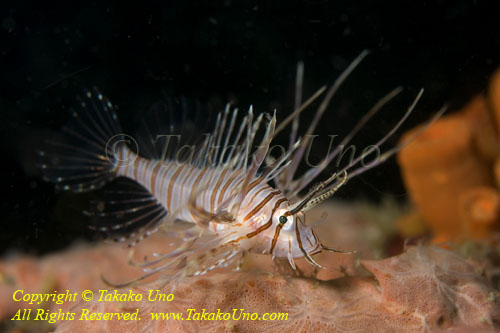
125	211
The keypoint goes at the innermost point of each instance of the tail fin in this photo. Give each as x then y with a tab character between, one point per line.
88	154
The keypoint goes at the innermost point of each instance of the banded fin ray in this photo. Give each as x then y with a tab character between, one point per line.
170	131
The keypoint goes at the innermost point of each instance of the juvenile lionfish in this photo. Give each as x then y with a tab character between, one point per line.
237	198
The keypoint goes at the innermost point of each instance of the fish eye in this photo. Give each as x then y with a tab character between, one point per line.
283	219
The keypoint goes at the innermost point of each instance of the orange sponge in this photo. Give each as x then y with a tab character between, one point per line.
480	211
437	166
494	96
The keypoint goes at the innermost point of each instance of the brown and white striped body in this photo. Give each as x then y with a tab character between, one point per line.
173	183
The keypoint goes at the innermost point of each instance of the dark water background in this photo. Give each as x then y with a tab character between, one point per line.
215	51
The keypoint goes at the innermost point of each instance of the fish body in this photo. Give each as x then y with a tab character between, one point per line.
257	219
237	197
172	183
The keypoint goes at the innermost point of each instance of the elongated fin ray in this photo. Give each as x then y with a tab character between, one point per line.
299	81
387	154
195	256
388	134
234	115
299	184
384	156
288	176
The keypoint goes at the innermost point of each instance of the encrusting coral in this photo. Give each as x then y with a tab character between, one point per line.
81	267
448	169
75	270
425	288
439	286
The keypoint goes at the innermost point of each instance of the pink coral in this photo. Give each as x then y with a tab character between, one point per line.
423	289
437	286
77	269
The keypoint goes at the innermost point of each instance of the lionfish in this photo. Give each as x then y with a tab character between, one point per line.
237	198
